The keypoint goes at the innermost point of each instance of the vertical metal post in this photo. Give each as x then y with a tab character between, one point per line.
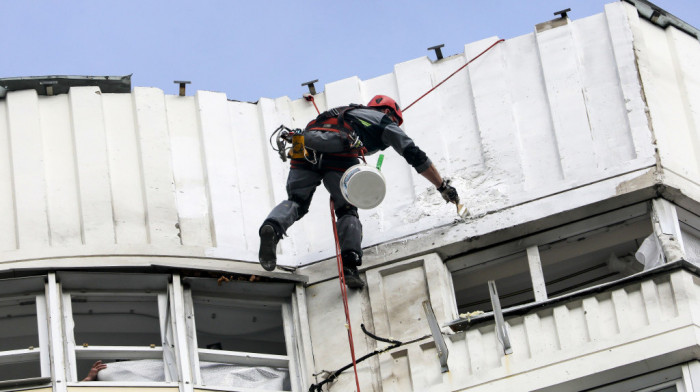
182	84
438	50
536	275
498	316
437	336
44	342
177	307
310	84
58	370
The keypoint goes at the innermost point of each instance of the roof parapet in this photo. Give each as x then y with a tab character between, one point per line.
662	18
54	85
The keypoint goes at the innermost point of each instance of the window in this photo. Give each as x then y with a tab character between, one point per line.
120	319
23	329
672	379
572	257
238	333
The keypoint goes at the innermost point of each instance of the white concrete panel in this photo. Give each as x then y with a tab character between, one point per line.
61	180
659	69
221	169
251	173
397	293
500	136
126	178
156	166
686	51
92	165
341	93
562	76
27	165
188	172
413	79
623	49
540	155
607	115
8	241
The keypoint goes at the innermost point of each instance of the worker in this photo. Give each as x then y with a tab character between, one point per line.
333	140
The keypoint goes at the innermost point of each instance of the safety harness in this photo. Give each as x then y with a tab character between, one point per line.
334	120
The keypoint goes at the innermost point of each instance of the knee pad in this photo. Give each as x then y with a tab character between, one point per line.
303	205
347	209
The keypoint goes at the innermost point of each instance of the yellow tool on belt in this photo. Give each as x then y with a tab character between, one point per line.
297	151
285	136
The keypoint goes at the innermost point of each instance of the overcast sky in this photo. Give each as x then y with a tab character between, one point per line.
260	48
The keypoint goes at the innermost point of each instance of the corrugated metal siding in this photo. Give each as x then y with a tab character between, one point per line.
538	114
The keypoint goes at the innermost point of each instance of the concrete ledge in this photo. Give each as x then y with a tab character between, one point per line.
131	257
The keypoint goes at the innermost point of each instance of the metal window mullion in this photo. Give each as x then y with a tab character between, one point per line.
58	371
69	327
691	376
177	308
291	343
192	344
164	317
43	326
303	336
535	263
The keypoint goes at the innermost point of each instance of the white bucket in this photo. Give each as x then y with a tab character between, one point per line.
363	186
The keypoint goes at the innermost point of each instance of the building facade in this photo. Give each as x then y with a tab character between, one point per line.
130	220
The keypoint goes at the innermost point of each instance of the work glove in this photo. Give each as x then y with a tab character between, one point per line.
448	192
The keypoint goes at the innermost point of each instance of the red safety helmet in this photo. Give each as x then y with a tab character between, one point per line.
381	101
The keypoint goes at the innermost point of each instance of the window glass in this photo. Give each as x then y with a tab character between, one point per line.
512	278
239	326
18	324
19	370
594	257
115	320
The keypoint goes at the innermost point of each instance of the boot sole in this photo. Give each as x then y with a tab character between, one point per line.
268	249
353	281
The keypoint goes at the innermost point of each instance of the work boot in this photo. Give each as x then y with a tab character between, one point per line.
352	278
268	247
351	260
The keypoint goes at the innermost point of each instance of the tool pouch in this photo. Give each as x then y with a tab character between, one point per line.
298	151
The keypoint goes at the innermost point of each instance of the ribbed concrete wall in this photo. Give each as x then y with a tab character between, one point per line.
649	324
537	115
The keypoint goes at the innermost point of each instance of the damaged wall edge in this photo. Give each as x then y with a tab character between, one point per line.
662	18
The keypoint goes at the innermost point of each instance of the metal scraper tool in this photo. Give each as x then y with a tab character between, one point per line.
462	210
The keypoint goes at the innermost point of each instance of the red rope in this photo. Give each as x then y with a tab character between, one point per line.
453	73
344	292
311	98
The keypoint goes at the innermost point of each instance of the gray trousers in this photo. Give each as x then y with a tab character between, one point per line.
301	185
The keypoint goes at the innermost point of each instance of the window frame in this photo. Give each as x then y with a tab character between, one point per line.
242	358
101	284
30	288
532	245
